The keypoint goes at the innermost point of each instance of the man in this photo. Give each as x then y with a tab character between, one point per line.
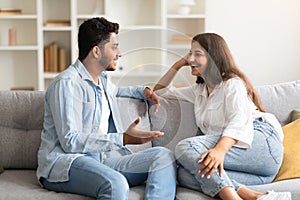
82	144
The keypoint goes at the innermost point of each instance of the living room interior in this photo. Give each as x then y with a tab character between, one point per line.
262	35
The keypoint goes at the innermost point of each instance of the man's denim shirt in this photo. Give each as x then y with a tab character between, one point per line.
72	120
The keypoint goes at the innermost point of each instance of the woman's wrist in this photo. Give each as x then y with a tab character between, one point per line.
179	64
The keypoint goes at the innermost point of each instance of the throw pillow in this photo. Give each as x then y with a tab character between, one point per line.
295	114
291	159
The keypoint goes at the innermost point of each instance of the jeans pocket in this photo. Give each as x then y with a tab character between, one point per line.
275	148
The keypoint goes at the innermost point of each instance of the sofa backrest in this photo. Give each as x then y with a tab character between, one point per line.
176	117
281	99
21	124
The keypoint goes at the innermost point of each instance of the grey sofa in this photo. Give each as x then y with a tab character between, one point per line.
21	120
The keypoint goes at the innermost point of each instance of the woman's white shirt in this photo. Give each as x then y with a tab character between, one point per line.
228	110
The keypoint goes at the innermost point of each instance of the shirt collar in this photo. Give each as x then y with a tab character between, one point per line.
204	90
84	74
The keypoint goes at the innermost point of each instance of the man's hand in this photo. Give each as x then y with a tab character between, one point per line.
152	97
137	136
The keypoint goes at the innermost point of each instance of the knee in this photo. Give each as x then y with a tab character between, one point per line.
182	147
164	153
164	157
117	187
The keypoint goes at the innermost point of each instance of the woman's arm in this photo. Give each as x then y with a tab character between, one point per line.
171	73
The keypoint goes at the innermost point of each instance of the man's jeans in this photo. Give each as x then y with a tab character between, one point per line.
112	178
256	165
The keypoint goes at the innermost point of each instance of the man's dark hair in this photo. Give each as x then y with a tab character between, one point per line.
93	32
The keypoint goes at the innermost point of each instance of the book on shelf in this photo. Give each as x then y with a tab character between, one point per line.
181	39
54	23
10	11
54	58
21	88
62	63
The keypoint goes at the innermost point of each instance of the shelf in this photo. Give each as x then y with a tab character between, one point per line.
21	16
19	48
88	16
142	27
49	75
57	28
190	16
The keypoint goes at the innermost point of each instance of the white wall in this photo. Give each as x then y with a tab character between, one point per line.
263	35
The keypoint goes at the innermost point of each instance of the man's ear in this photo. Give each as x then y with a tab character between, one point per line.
96	52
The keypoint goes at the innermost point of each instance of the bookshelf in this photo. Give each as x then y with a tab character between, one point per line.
152	36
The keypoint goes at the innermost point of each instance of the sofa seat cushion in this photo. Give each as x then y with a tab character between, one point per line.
23	184
290	185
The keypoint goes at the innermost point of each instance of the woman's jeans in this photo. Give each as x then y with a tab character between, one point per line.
256	165
112	178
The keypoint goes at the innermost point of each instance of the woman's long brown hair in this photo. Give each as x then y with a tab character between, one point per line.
220	58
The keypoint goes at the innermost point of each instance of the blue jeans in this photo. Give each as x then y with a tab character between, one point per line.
256	165
112	178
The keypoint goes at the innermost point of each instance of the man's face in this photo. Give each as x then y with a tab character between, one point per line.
110	53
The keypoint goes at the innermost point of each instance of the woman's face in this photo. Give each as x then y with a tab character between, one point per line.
197	59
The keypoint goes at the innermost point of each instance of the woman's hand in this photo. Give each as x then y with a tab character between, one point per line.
181	63
211	160
137	136
171	73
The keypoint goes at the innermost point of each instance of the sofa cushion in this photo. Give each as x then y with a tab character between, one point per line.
295	114
280	99
21	122
291	159
23	184
176	119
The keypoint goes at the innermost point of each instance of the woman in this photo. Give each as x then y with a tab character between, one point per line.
242	144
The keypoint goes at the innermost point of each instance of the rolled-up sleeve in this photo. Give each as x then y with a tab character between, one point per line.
238	114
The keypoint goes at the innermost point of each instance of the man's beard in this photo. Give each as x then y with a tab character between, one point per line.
111	67
105	62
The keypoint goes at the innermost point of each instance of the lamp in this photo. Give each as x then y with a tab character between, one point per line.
184	8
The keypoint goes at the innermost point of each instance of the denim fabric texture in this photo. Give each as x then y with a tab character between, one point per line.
242	166
112	179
